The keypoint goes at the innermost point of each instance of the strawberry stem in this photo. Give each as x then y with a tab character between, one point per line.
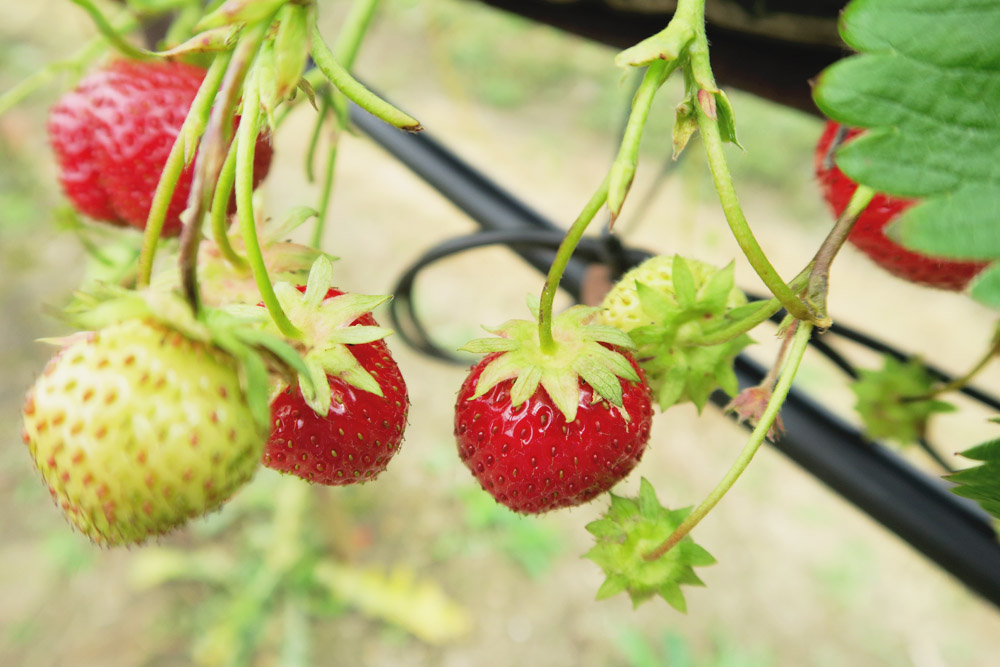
799	344
354	90
701	73
246	141
188	136
110	33
220	211
345	51
763	313
819	278
563	254
624	166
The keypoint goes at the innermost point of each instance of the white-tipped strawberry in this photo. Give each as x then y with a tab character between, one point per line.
151	420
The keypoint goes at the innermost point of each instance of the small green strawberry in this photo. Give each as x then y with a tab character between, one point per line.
893	403
632	528
667	304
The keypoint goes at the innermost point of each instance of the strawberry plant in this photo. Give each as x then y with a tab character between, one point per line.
203	359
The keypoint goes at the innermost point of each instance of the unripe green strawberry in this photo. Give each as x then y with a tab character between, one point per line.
668	305
137	428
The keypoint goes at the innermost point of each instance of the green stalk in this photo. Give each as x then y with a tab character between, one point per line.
108	31
246	139
43	76
819	279
701	71
563	254
799	344
324	196
353	30
625	164
354	90
345	51
189	134
220	211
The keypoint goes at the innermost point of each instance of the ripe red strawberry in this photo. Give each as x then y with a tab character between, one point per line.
540	431
362	431
532	460
868	233
347	427
137	427
112	135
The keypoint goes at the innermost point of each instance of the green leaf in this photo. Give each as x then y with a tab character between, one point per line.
398	597
927	84
982	482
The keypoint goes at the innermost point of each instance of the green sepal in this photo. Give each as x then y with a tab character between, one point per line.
265	75
327	330
611	587
726	118
632	528
216	39
685	125
235	12
580	354
315	387
889	400
291	48
489	345
242	336
669	44
319	281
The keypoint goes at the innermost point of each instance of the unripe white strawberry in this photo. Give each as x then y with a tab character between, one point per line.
137	428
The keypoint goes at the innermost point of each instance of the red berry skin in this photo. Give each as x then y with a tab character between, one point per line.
531	460
360	434
868	234
112	135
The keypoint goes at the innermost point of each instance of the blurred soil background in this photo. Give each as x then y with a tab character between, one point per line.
803	578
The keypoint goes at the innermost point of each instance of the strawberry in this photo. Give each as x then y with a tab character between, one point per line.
138	427
540	431
668	304
868	234
348	427
113	132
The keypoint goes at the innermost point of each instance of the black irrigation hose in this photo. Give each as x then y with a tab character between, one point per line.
947	529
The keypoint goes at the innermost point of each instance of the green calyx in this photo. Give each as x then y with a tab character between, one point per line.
580	352
629	530
240	337
327	326
893	402
667	305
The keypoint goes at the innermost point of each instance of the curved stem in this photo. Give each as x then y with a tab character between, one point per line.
354	90
187	138
563	254
324	196
220	212
762	314
246	140
624	166
108	31
44	75
712	140
799	344
819	278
